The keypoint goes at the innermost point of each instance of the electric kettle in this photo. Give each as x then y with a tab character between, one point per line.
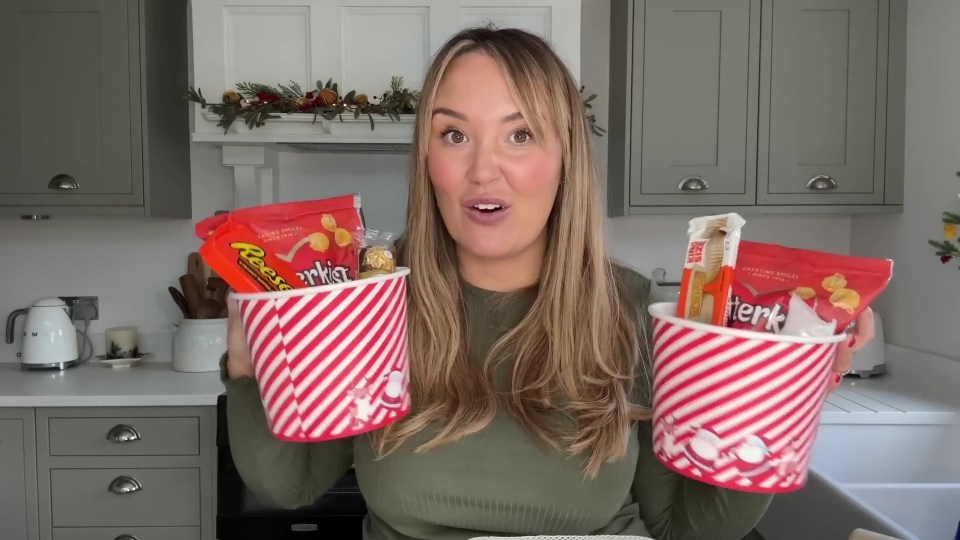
49	336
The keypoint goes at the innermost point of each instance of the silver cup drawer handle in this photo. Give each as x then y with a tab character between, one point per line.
693	183
122	433
822	182
63	182
123	485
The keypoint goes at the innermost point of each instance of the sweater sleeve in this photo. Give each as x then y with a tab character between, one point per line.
672	506
284	474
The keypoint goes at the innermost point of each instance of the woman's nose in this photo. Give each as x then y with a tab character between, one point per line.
483	165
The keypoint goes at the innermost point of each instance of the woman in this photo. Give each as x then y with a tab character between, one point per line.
530	366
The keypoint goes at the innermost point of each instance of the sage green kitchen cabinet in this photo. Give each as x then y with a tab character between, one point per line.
694	92
18	475
99	124
140	471
757	106
824	113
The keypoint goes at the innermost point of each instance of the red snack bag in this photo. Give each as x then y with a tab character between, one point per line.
235	253
206	227
319	239
838	287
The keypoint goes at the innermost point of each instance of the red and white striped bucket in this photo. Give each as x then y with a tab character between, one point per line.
736	408
330	361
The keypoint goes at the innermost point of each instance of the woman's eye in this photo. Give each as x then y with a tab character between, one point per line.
453	136
521	136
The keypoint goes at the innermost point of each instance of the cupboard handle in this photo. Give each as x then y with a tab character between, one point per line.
821	182
63	182
123	485
122	433
693	183
126	537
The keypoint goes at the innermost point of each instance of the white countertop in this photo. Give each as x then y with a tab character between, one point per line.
918	388
94	385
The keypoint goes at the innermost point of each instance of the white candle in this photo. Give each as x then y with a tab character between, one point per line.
122	342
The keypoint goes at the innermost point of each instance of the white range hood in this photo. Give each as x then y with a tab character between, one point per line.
359	44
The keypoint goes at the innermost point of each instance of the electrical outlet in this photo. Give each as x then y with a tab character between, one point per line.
83	307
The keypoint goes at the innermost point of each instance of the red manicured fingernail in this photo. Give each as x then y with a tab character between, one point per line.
837	378
853	340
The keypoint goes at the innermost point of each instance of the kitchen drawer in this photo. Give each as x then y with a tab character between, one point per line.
132	533
166	497
118	436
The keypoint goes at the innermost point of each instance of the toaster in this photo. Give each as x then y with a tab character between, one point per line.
870	360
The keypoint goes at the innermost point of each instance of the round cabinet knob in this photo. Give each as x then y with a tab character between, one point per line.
122	433
821	182
126	537
63	182
693	184
123	485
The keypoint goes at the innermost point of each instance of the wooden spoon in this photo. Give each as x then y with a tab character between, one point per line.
191	291
209	309
180	301
195	268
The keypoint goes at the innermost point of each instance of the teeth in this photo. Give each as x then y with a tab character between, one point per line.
487	206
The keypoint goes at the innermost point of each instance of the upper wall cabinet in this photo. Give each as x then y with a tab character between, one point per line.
359	44
756	106
100	125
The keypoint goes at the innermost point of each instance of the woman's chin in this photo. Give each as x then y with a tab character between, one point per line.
488	250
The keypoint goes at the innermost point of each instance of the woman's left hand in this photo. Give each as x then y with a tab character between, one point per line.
844	359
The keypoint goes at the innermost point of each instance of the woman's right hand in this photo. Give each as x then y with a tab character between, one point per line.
239	361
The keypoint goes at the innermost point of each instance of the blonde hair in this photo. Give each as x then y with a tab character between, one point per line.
576	351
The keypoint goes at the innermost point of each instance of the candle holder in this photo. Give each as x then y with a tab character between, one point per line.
122	342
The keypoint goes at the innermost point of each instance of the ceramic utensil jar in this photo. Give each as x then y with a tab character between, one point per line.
198	344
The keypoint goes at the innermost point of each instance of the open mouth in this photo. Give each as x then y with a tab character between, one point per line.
487	208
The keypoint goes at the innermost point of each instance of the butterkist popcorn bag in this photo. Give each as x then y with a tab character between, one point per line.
768	276
319	240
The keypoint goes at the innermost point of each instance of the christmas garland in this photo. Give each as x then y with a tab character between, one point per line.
947	250
256	103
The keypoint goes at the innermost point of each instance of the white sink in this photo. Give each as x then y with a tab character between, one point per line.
882	454
900	480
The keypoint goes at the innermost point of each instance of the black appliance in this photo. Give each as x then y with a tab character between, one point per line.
338	514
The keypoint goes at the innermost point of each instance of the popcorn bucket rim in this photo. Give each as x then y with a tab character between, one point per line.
665	311
401	271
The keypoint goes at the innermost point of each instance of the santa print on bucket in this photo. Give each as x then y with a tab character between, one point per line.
748	462
364	405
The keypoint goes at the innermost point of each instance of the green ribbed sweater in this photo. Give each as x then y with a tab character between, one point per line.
498	482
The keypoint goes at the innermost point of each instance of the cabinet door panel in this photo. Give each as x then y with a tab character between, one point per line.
694	108
68	77
822	114
13	480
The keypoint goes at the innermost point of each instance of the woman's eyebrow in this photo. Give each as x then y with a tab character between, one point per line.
449	112
460	116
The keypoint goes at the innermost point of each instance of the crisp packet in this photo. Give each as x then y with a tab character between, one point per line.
708	268
377	253
245	262
319	239
837	287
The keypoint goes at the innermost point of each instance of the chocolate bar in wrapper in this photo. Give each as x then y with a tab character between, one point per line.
707	278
